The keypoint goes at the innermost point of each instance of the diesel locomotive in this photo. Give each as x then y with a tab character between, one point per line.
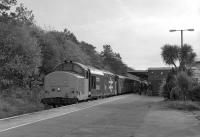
71	82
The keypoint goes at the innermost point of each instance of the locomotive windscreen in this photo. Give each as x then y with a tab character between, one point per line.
70	67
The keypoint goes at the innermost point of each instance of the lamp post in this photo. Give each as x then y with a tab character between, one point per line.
173	30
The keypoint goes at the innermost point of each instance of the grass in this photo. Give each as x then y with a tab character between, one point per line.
17	104
182	105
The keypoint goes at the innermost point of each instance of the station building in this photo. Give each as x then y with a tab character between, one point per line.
154	77
196	71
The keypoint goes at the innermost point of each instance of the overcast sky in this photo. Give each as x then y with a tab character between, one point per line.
137	29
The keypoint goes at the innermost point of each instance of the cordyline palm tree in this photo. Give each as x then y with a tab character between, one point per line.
184	56
172	54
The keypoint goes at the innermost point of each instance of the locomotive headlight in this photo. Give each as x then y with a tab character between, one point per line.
58	89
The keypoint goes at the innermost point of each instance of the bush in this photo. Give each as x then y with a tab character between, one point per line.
175	93
168	85
164	90
182	105
18	101
184	82
195	93
19	55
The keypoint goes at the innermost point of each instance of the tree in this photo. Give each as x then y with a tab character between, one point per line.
172	54
23	15
56	48
70	36
186	57
94	56
107	51
19	55
113	61
5	6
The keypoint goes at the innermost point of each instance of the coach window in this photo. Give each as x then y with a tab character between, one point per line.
93	82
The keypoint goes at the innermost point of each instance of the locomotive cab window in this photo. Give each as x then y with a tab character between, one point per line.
59	67
64	67
71	67
93	82
78	69
67	67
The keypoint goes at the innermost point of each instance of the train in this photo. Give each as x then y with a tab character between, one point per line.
72	82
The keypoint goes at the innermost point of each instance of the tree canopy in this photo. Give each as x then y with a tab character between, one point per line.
184	56
113	61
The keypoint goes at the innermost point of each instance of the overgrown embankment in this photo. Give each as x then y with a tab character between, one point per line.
18	101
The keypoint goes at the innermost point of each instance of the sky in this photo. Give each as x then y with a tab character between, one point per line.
137	29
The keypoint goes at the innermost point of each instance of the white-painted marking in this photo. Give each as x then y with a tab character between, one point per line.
76	109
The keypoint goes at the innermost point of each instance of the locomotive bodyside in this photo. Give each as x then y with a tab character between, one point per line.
63	87
96	83
110	84
67	84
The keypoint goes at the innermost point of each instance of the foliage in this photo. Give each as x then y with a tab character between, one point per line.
168	85
175	93
184	82
23	15
19	15
182	105
170	54
164	90
195	93
113	61
15	101
5	6
70	36
56	48
19	55
184	55
94	57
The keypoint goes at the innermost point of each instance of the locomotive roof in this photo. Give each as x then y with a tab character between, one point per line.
133	77
120	76
74	74
92	69
96	71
